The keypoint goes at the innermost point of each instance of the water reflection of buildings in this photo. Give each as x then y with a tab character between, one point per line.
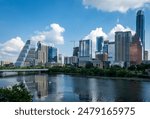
37	85
41	82
73	88
61	89
93	90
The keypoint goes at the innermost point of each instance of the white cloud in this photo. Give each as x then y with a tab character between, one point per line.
10	50
92	36
116	5
52	35
118	27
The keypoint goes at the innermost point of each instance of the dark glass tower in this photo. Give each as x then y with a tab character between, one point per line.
52	54
99	44
140	28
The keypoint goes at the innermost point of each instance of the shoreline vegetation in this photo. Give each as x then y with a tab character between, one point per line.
114	72
16	93
132	72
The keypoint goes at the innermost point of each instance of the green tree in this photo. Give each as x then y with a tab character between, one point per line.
17	93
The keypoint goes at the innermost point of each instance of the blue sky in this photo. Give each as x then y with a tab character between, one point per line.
62	21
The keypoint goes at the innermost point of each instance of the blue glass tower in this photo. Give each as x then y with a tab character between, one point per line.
105	47
52	54
140	28
99	44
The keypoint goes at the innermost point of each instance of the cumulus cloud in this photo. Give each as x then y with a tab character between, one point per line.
10	50
53	35
116	5
118	27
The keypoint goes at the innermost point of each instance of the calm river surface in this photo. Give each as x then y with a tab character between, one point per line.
70	88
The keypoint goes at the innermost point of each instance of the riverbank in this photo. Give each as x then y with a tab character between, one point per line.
96	72
79	88
113	72
105	77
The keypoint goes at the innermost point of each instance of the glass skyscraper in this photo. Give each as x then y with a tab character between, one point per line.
111	52
26	56
140	28
105	47
76	51
52	54
85	48
99	44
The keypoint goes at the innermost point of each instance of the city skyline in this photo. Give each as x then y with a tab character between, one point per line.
58	22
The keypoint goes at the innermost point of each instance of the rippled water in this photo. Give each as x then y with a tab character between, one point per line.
74	88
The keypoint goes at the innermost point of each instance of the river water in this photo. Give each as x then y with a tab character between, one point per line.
69	88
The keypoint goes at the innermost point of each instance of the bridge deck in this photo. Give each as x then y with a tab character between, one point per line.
22	70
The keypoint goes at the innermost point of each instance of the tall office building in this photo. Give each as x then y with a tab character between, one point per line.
111	52
46	54
76	51
85	52
99	44
140	28
52	54
135	51
85	48
30	58
42	53
105	47
122	47
26	56
146	55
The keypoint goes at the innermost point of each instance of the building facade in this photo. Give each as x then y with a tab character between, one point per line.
30	58
41	54
52	54
45	55
105	47
26	56
146	55
140	28
111	52
85	50
136	51
76	51
122	47
99	44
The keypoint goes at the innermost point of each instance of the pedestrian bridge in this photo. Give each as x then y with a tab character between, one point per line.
13	72
23	70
